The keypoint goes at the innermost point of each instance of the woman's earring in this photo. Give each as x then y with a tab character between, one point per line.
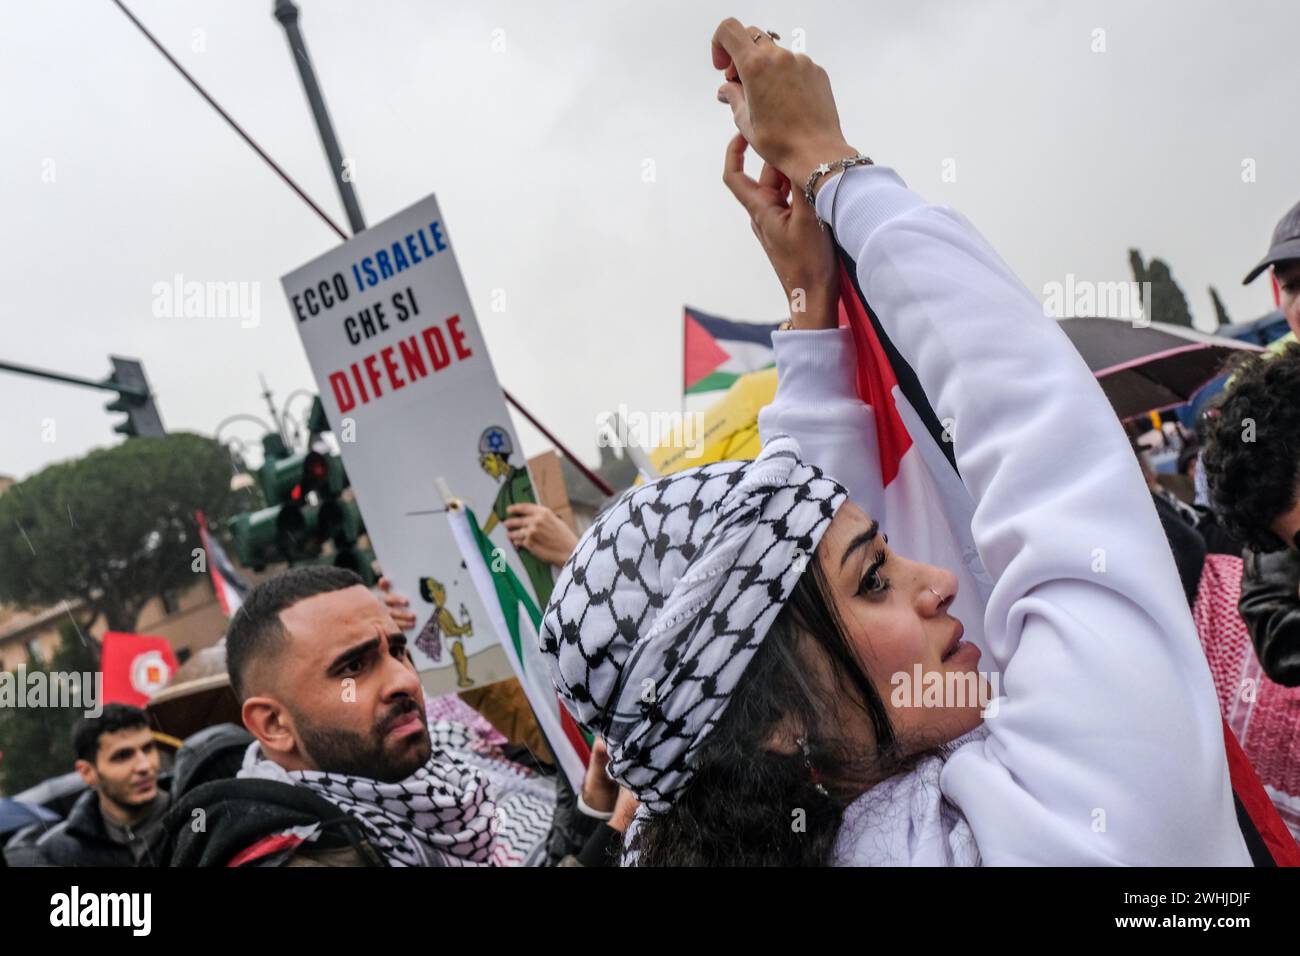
812	771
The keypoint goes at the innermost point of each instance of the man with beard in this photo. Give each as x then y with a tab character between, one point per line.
118	821
344	770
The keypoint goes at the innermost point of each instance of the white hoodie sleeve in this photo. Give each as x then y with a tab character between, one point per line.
1108	746
817	404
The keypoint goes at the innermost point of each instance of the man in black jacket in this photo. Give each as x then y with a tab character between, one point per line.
118	821
330	694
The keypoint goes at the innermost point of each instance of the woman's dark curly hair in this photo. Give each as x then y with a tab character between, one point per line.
743	805
1252	453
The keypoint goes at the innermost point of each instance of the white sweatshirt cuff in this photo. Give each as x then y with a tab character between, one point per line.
816	364
879	195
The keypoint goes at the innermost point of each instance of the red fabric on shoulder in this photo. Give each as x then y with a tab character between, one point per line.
267	846
876	380
1260	809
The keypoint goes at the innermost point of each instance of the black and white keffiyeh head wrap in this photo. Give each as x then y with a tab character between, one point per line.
669	594
444	814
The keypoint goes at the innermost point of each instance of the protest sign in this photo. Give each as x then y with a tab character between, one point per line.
409	389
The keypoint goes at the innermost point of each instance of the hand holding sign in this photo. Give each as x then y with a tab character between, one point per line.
540	530
399	607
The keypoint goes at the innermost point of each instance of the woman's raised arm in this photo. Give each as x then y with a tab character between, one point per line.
1108	746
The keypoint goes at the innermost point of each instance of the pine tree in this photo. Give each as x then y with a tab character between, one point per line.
113	529
1168	304
36	742
1220	313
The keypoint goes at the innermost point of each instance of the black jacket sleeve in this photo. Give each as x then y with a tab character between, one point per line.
1270	606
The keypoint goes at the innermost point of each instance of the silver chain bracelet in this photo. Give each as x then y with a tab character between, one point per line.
825	168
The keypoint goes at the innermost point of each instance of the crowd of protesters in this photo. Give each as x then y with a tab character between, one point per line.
729	633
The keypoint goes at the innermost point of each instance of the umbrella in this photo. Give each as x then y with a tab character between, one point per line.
14	815
1149	368
1262	331
198	695
57	794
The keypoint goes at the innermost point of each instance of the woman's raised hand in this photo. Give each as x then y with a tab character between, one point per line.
800	250
781	101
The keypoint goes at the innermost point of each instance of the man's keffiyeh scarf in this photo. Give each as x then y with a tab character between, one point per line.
525	798
668	596
450	812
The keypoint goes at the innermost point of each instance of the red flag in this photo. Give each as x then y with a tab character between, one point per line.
135	666
1254	800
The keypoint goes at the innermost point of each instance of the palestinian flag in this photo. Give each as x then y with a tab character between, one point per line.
927	510
230	587
718	351
516	618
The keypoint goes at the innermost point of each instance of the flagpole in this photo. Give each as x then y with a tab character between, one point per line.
683	403
587	473
570	758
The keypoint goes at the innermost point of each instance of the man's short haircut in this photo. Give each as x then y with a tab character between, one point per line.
1252	451
256	631
87	731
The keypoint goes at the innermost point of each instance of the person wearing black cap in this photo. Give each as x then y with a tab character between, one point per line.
1252	483
1284	256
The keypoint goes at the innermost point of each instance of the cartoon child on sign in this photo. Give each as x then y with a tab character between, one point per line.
494	451
443	622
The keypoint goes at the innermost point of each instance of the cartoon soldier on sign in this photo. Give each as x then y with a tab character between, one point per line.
443	622
494	451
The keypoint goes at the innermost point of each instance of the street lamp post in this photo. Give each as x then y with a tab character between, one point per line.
286	11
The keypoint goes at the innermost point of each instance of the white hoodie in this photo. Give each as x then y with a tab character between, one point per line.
1107	747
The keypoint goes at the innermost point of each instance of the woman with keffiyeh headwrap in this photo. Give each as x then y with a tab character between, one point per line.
737	632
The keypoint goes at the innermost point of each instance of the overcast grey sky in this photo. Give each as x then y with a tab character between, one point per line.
537	149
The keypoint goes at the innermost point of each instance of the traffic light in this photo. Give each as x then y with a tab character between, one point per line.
307	521
134	398
316	420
